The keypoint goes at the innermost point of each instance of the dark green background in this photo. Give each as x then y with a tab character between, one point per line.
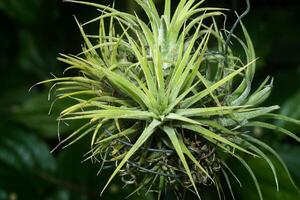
33	32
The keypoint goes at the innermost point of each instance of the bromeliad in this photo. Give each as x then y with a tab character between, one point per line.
166	101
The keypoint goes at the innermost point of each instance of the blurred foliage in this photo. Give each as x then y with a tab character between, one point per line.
32	34
266	180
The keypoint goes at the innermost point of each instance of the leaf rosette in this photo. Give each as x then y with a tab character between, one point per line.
166	101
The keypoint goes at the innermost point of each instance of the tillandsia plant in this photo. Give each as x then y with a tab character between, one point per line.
167	101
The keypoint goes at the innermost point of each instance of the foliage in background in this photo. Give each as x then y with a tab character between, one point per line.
18	73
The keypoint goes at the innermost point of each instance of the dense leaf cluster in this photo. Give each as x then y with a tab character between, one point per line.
157	95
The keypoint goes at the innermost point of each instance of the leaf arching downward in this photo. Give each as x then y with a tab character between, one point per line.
141	140
176	144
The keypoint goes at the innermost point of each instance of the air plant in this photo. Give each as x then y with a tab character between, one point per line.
167	101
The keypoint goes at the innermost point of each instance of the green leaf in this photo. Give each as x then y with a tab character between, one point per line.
282	118
210	111
141	140
192	100
267	159
110	114
273	127
261	95
181	118
228	183
186	151
244	163
209	134
239	117
278	157
291	110
167	11
261	171
176	144
124	133
128	88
